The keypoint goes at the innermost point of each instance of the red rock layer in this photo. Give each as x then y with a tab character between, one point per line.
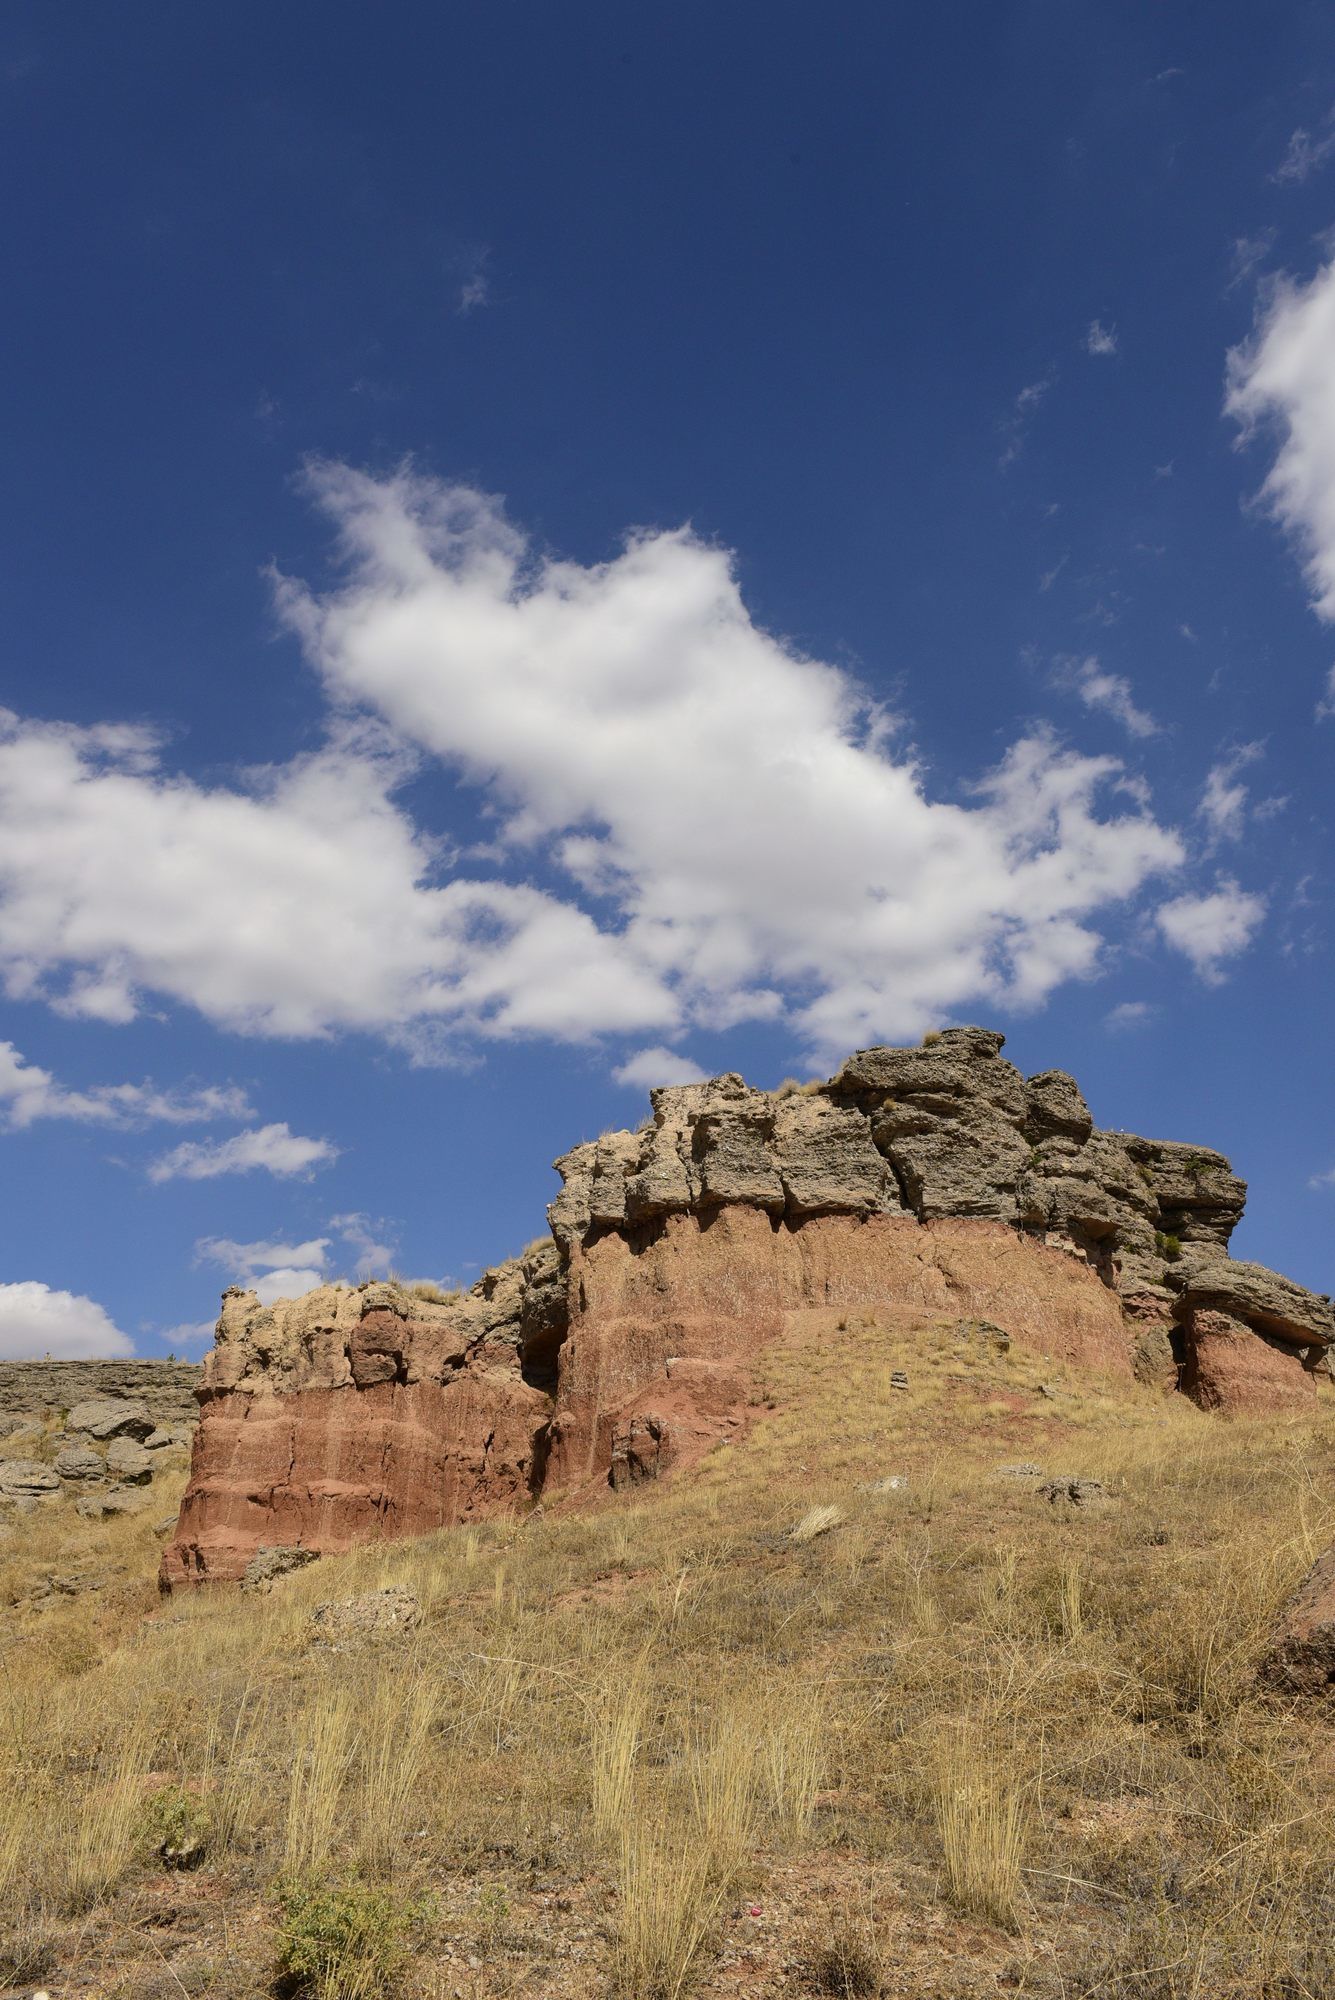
719	1288
329	1468
1232	1368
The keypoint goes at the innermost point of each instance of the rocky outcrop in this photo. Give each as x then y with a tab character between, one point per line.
100	1452
935	1180
166	1389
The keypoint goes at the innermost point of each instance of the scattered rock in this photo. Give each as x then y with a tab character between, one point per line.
1021	1471
1302	1659
898	1379
267	1565
129	1462
1078	1492
111	1416
995	1337
116	1500
895	1482
79	1461
366	1621
165	1525
27	1479
163	1436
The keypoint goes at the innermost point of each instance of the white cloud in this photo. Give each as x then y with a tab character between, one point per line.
370	1241
1110	694
1325	708
1130	1014
1303	156
273	1148
1100	339
1326	1180
1208	929
720	828
36	1320
189	1333
28	1093
274	1270
1224	800
730	804
1015	425
474	292
648	1068
1284	377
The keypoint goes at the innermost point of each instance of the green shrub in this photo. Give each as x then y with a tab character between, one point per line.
342	1943
1168	1247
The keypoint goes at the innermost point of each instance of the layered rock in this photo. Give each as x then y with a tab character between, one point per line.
933	1180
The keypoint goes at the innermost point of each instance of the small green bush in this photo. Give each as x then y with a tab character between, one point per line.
1168	1247
342	1943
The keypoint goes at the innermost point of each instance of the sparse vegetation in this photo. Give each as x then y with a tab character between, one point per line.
1168	1247
619	1733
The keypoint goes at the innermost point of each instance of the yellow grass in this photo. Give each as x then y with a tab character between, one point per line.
624	1728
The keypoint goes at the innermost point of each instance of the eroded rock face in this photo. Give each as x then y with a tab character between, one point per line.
934	1179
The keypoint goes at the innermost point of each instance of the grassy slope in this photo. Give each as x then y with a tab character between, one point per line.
962	1737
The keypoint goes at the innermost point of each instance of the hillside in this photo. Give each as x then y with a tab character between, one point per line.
849	1707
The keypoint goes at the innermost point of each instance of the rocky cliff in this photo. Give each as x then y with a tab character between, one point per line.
927	1181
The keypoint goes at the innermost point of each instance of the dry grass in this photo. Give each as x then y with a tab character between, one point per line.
622	1729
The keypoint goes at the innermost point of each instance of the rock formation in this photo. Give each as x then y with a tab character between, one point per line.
97	1431
926	1180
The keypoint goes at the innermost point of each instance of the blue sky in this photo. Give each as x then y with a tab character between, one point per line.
547	550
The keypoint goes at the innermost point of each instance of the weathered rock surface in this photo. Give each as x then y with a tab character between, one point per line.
1302	1660
111	1417
267	1566
25	1478
934	1179
36	1388
372	1620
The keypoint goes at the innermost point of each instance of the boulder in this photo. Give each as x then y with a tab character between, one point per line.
164	1436
642	1448
267	1565
352	1622
1251	1292
26	1479
1075	1491
114	1501
1236	1368
1301	1660
128	1461
79	1461
111	1416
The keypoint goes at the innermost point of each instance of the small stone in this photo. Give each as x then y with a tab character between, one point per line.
1079	1492
894	1482
1021	1471
159	1439
898	1379
267	1565
165	1525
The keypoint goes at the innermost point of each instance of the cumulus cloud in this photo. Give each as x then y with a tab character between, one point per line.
28	1093
1110	694
1208	929
1326	1180
36	1320
370	1241
731	806
648	1068
282	1270
1283	378
273	1148
1128	1015
1100	339
274	1270
684	821
1224	798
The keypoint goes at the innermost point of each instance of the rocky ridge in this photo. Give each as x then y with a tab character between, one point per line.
915	1181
